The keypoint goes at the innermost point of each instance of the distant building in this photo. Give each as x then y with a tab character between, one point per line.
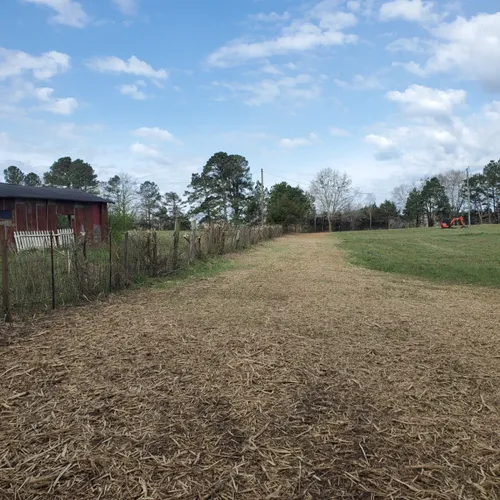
25	208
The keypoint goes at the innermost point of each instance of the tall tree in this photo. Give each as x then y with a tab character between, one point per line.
452	182
59	173
122	191
32	179
434	200
174	205
253	212
75	174
150	196
478	194
491	174
288	205
221	190
83	176
13	175
388	211
171	210
333	192
203	199
240	184
414	208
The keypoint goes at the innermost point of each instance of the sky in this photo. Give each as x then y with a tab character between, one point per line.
389	91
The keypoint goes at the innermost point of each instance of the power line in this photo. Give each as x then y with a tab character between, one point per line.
284	178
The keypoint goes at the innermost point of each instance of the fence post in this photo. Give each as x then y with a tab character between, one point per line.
110	262
155	254
52	270
5	276
149	262
177	232
125	258
192	244
85	246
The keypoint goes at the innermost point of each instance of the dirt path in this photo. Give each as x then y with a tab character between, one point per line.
295	375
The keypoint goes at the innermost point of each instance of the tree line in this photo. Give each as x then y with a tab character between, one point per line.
446	195
224	191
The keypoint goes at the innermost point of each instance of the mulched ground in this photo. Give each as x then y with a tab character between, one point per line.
295	375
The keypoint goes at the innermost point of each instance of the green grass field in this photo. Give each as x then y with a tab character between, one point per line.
451	256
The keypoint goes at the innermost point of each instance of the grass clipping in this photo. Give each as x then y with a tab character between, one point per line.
250	385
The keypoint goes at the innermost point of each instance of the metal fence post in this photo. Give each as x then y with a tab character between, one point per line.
52	270
5	276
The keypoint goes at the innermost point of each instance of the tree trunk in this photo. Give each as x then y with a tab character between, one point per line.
329	225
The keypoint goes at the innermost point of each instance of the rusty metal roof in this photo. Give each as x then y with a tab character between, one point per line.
48	193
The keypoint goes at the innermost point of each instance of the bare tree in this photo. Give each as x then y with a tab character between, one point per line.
332	191
352	214
122	191
400	195
453	181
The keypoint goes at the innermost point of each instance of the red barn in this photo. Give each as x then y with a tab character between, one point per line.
26	208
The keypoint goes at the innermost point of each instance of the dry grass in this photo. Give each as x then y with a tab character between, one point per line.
294	375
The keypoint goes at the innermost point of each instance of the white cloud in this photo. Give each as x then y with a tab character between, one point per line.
415	44
67	12
424	101
63	106
360	82
132	66
43	67
299	141
132	91
33	99
385	148
431	145
127	7
339	132
157	134
354	5
271	17
408	10
149	152
297	88
58	106
322	26
145	150
469	48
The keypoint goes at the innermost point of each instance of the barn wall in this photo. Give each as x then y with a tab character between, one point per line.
104	221
40	215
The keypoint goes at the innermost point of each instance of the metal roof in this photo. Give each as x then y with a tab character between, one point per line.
48	193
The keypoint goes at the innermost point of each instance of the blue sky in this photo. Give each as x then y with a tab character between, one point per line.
386	90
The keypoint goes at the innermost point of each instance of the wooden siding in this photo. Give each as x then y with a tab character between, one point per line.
40	215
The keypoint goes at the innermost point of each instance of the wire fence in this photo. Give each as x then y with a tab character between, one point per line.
44	278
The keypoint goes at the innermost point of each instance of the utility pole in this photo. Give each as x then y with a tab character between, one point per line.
262	196
468	198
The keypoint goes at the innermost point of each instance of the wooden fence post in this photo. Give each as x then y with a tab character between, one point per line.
52	270
5	275
177	232
85	246
192	244
125	258
155	254
110	262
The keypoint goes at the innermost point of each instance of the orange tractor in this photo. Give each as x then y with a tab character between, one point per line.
451	223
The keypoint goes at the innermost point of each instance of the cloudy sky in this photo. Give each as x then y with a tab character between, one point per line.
387	90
